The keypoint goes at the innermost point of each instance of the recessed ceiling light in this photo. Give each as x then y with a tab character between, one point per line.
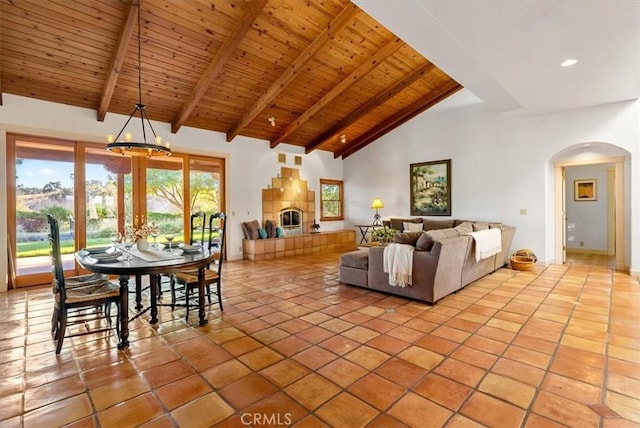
568	62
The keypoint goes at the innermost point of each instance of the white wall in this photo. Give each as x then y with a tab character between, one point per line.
501	163
250	162
587	220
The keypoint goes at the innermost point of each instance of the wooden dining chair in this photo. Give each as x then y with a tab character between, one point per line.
78	299
217	226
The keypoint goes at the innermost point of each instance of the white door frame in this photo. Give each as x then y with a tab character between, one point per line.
618	223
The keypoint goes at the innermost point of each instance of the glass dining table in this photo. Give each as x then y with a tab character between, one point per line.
153	262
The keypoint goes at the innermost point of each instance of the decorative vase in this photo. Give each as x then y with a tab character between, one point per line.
142	244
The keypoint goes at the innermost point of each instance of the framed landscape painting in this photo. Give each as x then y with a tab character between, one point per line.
430	188
584	190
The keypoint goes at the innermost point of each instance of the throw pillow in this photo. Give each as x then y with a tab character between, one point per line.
262	233
440	234
411	227
424	243
270	227
464	228
408	238
480	225
398	223
250	229
279	232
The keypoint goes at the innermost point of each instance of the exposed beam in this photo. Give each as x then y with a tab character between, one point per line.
116	62
254	8
344	17
374	103
400	117
357	75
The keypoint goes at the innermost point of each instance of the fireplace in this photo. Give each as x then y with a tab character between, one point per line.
291	221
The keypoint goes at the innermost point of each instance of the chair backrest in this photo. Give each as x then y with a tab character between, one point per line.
56	257
217	234
198	222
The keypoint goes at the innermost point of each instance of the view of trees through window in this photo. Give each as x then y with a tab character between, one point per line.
46	183
331	200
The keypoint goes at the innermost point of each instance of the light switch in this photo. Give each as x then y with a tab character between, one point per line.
523	211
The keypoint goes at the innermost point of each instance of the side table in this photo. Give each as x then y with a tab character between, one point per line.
364	229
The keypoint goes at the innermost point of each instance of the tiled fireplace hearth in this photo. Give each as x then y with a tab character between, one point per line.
289	203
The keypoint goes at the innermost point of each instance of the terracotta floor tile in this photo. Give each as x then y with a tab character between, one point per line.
339	344
443	391
284	372
133	412
118	391
314	357
565	411
502	414
203	411
247	391
345	410
167	373
182	391
312	391
401	372
507	389
386	421
572	389
260	358
523	372
307	343
461	372
225	373
625	406
377	391
342	372
417	411
275	410
421	357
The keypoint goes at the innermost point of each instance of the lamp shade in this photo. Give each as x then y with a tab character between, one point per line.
377	203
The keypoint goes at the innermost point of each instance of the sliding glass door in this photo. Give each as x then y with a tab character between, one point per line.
93	193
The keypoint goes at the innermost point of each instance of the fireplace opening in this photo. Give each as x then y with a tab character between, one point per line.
291	221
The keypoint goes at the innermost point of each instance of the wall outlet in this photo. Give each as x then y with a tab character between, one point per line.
523	211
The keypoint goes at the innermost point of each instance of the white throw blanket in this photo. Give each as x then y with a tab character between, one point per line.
397	261
488	242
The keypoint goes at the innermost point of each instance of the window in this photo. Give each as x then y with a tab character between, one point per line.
331	205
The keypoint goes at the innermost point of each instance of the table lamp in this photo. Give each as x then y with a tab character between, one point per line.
377	203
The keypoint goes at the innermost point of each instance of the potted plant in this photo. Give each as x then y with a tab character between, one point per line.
383	235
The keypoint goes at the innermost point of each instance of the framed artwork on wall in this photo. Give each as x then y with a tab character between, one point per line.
585	190
430	188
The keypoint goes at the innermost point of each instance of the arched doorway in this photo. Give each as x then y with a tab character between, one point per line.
593	154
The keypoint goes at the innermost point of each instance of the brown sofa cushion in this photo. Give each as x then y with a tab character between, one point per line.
480	225
270	227
464	228
425	242
250	229
408	238
437	224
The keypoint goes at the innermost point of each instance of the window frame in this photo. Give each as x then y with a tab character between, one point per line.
331	182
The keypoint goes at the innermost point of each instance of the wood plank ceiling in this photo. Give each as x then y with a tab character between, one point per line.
322	68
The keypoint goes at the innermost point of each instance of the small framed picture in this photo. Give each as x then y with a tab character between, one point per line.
585	190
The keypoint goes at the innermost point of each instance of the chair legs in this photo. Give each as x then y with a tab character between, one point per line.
60	321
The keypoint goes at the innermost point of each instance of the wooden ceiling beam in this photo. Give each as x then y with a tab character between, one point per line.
357	75
252	12
400	117
344	17
374	103
117	60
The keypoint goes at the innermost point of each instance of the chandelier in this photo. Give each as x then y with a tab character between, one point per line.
123	142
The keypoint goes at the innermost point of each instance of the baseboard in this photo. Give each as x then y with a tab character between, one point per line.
587	251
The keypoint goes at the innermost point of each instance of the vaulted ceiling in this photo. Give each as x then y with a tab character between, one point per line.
322	75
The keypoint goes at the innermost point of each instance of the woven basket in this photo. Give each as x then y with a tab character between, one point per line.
523	260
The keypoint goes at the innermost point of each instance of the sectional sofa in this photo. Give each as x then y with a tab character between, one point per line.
444	258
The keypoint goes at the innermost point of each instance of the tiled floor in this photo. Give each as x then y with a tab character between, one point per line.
558	346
